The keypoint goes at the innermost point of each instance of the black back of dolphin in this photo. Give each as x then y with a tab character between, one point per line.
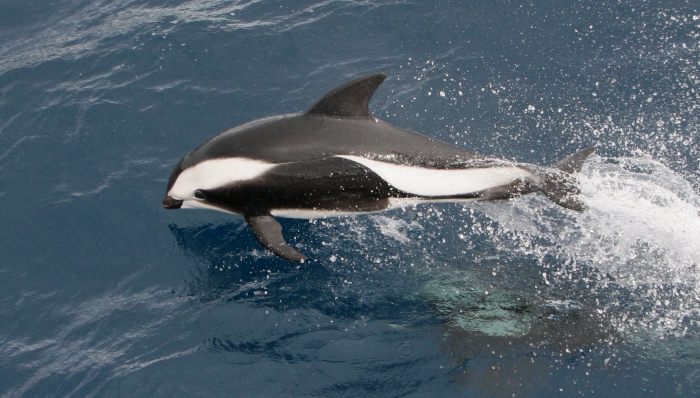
340	123
310	175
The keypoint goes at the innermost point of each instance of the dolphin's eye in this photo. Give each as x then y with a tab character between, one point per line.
199	194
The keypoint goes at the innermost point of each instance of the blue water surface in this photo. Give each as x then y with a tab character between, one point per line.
104	293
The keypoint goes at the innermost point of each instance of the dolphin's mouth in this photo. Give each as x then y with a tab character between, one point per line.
172	203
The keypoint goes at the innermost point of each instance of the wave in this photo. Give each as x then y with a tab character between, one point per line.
71	32
86	352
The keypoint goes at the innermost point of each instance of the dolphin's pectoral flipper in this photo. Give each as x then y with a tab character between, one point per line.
268	231
560	186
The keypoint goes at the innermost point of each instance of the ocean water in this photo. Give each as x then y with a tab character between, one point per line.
103	293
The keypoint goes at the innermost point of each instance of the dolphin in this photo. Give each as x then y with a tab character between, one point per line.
337	159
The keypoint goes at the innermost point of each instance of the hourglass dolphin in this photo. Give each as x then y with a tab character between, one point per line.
338	159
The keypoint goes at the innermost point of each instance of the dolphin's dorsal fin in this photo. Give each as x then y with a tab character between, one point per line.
349	100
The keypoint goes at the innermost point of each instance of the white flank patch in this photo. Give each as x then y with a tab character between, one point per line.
398	203
423	181
216	173
314	214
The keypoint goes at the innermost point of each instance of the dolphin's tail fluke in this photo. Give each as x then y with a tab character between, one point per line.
560	185
573	163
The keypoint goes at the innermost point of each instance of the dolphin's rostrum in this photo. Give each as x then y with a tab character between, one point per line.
338	159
